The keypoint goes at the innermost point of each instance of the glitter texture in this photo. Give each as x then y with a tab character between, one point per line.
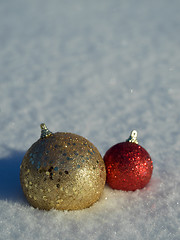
128	166
63	171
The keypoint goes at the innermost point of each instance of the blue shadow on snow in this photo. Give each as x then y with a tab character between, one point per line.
10	187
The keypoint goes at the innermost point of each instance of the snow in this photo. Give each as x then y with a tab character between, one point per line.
98	69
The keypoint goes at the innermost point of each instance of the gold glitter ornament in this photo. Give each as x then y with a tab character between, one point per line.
63	171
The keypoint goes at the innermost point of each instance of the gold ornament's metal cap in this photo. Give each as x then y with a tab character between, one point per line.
45	131
133	137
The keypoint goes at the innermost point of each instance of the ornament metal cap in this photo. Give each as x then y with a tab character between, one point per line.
133	137
45	131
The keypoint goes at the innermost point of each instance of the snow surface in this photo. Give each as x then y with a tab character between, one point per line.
98	69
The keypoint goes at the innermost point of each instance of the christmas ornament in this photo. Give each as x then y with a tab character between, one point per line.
128	165
63	171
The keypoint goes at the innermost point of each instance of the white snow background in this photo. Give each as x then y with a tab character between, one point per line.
98	69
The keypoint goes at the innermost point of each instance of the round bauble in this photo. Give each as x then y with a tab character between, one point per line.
128	165
62	171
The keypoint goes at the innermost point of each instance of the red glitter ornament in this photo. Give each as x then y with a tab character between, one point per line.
128	165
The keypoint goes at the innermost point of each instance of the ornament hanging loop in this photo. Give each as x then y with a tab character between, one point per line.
133	137
45	131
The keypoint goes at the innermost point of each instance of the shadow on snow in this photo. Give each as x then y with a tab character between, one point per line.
10	187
